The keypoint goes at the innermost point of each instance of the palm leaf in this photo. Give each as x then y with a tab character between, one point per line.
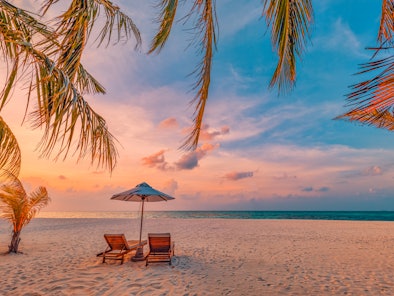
10	154
166	18
36	201
62	116
372	100
386	22
289	21
54	92
17	29
86	83
16	206
13	202
75	25
206	33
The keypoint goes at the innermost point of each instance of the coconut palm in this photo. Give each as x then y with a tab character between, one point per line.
19	208
48	61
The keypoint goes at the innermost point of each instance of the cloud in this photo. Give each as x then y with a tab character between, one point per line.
208	135
311	189
190	160
170	122
341	38
156	160
62	177
372	171
307	189
234	176
323	189
285	176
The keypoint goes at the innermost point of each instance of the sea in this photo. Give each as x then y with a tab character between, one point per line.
306	215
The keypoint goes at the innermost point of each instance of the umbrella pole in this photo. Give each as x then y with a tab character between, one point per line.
142	217
139	254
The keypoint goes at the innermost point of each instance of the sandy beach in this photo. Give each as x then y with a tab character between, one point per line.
212	257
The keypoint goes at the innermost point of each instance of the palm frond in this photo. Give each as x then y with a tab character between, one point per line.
16	206
10	154
386	27
17	30
62	115
54	92
86	83
36	201
13	202
289	21
372	101
76	24
166	18
206	29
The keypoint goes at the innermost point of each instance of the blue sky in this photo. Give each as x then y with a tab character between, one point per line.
259	150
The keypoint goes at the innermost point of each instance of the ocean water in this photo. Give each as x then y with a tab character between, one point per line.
309	215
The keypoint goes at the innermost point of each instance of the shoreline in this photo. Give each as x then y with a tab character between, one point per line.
212	257
255	215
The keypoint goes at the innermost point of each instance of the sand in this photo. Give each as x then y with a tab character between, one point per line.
212	257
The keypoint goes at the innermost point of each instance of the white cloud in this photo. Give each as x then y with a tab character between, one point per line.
341	38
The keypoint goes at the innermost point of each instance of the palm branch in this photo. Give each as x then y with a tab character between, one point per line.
31	48
205	30
371	101
166	19
13	202
75	25
289	21
10	154
386	22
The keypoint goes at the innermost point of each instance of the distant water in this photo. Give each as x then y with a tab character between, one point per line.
309	215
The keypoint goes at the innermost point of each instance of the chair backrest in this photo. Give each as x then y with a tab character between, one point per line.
116	241
159	242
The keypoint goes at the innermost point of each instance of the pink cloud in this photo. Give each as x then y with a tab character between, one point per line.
170	122
156	160
208	135
285	176
190	160
373	171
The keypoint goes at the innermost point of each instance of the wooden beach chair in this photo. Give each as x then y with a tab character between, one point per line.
118	247
161	248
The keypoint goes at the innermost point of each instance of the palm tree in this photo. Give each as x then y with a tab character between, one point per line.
19	208
48	61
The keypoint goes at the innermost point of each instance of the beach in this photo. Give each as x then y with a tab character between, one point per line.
212	257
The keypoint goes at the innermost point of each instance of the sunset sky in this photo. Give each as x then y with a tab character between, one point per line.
258	150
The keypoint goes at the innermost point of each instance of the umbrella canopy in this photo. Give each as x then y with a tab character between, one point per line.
142	193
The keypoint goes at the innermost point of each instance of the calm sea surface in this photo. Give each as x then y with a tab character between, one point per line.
314	215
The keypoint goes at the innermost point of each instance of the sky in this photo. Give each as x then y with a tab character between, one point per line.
259	150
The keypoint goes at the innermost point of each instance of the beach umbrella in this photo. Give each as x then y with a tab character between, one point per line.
142	193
